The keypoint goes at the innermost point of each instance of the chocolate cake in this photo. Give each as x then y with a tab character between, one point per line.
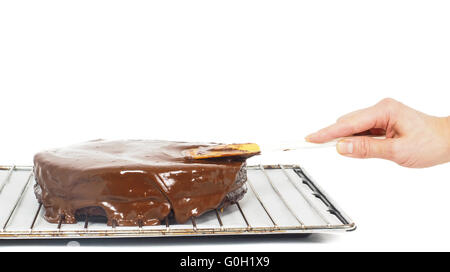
134	182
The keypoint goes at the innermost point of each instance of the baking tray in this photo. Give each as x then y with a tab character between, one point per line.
280	199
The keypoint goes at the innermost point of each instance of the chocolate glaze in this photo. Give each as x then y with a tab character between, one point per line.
134	182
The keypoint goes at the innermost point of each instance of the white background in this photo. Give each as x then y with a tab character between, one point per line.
235	71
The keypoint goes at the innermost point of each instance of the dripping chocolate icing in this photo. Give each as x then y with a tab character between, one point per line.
134	182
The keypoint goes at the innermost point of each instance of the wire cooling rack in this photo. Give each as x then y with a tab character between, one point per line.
280	199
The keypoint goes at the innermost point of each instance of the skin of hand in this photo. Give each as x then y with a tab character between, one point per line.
413	139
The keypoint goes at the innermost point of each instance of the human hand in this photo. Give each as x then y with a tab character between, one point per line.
413	139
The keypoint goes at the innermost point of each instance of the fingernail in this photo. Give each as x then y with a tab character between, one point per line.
345	147
308	138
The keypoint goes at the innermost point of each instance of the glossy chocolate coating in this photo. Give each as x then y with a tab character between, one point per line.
133	181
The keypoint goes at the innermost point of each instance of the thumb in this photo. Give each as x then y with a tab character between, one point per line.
366	147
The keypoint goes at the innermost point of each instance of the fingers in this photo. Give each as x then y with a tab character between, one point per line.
376	118
334	131
367	147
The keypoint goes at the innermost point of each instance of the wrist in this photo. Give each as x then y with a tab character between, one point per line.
447	135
